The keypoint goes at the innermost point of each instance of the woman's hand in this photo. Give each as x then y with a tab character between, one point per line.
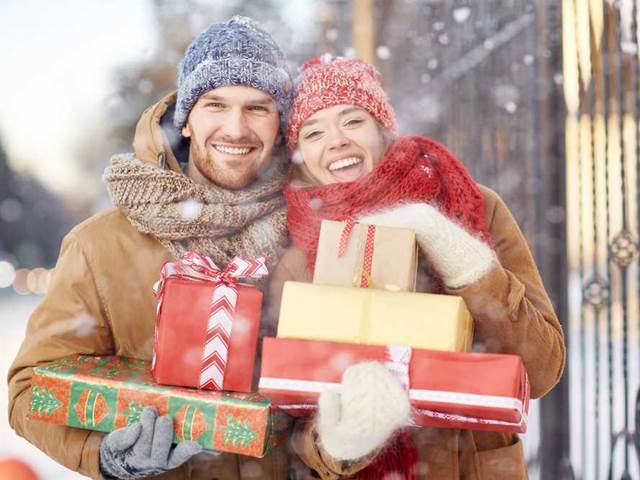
360	419
457	257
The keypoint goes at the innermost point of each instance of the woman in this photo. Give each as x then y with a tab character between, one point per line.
350	164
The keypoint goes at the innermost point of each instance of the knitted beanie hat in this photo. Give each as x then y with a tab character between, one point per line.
235	52
324	82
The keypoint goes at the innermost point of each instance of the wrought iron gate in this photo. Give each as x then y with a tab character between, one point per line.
601	82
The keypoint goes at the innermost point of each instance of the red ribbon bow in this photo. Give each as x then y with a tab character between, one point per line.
196	267
199	268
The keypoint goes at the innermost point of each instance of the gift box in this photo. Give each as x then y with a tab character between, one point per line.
355	255
107	393
474	391
207	324
375	317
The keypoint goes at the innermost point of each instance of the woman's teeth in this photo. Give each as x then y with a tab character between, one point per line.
232	150
344	163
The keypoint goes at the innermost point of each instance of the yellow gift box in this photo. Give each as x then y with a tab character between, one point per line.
375	317
393	262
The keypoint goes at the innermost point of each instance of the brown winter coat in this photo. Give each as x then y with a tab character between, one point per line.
512	314
100	302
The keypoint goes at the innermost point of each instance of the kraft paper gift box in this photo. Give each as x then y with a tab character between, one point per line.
107	393
356	255
207	324
475	391
375	317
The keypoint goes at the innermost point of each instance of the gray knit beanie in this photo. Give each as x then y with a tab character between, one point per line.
235	52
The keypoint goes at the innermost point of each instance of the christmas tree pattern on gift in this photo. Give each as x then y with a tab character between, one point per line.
238	432
133	412
44	401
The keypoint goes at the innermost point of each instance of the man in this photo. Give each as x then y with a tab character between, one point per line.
222	199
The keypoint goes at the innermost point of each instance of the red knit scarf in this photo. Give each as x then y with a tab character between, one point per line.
414	169
398	460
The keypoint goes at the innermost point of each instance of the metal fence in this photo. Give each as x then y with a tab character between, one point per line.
602	155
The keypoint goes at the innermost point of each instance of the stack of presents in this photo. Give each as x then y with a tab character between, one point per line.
361	306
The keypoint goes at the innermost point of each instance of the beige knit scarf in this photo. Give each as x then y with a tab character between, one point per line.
186	216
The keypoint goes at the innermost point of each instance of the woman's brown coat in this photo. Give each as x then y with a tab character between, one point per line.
512	314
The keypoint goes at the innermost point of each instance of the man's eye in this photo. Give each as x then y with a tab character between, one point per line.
258	108
217	105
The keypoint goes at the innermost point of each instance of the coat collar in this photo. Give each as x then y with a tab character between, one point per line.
151	143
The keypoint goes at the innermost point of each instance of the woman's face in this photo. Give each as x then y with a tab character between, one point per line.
340	144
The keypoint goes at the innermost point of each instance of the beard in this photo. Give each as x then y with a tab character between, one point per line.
204	168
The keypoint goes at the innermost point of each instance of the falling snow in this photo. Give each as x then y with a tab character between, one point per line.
462	14
383	52
190	209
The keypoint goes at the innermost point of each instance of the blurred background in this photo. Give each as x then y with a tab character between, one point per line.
539	98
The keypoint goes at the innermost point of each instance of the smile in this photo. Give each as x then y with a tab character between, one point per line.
344	163
233	150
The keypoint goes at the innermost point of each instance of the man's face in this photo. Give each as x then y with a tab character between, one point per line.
340	144
233	131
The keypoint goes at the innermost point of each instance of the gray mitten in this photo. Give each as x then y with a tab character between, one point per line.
144	448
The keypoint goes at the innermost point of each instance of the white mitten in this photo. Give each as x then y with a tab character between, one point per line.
361	418
457	257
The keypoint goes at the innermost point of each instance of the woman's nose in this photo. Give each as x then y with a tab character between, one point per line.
337	139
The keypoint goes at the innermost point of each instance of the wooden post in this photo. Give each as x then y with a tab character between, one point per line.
363	29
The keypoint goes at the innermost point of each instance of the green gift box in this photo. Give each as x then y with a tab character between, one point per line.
107	393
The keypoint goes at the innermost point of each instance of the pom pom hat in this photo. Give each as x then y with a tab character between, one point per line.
324	82
235	52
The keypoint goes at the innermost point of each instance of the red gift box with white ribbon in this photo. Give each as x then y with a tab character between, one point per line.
476	391
207	323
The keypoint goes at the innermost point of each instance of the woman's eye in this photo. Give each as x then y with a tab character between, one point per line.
310	135
214	105
258	108
352	122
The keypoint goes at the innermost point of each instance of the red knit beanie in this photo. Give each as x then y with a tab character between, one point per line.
324	82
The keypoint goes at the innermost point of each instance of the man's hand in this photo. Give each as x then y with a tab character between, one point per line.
457	257
360	419
144	448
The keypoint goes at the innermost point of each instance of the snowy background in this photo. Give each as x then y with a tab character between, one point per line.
14	312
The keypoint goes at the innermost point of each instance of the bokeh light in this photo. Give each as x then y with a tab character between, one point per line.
7	274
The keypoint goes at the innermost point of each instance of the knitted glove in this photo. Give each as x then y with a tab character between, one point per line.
144	448
456	256
359	420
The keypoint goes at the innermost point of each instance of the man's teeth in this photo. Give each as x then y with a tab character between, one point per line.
233	150
345	162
